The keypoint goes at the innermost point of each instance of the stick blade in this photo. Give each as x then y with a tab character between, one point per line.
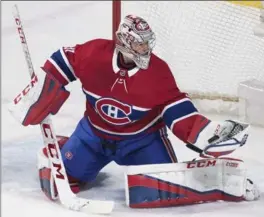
98	207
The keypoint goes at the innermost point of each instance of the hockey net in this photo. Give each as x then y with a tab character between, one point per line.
209	45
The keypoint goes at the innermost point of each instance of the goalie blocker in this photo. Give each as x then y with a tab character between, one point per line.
207	180
44	95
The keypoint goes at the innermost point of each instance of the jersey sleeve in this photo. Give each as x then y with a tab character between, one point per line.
63	64
179	113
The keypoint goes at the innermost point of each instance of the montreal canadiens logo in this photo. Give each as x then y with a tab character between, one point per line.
113	111
142	26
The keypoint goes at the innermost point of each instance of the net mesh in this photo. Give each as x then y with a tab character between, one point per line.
209	45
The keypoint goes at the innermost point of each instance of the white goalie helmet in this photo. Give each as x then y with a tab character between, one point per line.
135	30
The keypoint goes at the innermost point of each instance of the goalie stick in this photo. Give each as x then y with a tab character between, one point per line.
66	196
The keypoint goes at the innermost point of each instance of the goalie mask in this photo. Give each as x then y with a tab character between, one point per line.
135	40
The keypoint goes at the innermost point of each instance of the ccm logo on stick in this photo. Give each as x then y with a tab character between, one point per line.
200	164
52	150
26	89
20	31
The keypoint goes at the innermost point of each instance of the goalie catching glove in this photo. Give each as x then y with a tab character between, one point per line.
43	96
218	139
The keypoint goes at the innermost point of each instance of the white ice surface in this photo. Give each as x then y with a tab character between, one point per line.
49	25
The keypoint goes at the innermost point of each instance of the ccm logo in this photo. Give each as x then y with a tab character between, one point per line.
26	90
20	31
200	164
53	153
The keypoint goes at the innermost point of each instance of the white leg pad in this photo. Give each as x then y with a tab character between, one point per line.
185	183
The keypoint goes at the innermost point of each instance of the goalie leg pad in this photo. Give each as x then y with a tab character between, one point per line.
47	183
46	179
150	186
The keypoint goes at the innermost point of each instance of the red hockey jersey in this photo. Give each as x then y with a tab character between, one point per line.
123	103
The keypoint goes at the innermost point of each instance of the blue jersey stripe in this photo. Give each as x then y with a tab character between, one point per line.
178	111
58	59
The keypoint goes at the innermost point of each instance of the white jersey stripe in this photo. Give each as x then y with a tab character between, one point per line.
67	62
173	104
181	118
91	94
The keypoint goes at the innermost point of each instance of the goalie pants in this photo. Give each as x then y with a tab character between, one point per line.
85	154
